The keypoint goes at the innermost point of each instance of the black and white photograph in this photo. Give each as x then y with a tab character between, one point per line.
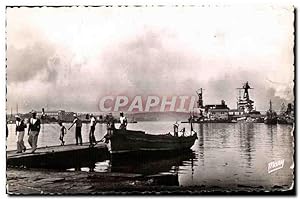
150	99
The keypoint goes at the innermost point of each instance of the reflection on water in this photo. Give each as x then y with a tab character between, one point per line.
151	164
229	155
201	144
246	142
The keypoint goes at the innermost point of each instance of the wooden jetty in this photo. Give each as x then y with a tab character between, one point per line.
61	157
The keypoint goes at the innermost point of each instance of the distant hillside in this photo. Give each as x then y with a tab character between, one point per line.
158	116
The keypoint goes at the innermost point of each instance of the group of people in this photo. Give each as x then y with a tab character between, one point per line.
33	132
78	124
35	126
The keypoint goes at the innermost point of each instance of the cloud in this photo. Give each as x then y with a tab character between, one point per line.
27	63
73	60
147	65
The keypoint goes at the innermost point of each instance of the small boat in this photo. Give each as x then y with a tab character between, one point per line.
241	118
250	120
286	115
271	116
259	120
126	141
270	120
285	120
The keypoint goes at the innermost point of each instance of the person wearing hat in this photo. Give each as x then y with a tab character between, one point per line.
78	123
33	131
20	131
123	121
92	131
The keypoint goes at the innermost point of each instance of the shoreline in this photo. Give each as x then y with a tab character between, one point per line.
22	181
42	181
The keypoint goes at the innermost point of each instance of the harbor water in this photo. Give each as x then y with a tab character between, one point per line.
224	155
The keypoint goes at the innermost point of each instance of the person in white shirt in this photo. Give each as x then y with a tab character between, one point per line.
33	131
20	131
92	131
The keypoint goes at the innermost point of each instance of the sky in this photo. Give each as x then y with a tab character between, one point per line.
71	57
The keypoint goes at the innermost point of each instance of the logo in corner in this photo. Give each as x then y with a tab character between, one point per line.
275	165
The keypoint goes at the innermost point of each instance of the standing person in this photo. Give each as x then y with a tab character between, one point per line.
78	123
92	131
176	126
33	131
110	125
123	121
63	132
20	131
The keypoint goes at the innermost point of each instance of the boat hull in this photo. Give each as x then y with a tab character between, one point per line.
124	141
270	121
283	120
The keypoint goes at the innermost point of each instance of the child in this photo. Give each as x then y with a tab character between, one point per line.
63	131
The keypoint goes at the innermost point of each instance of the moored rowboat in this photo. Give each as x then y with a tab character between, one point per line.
124	141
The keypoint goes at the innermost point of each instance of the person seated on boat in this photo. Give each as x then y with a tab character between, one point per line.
176	126
183	131
123	121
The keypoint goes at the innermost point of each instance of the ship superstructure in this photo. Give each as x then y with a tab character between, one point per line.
244	103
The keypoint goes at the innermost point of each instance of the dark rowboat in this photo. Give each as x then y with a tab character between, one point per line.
125	141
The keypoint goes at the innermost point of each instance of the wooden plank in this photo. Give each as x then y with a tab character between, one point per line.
61	157
53	149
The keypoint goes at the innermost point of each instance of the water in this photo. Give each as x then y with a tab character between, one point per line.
225	155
